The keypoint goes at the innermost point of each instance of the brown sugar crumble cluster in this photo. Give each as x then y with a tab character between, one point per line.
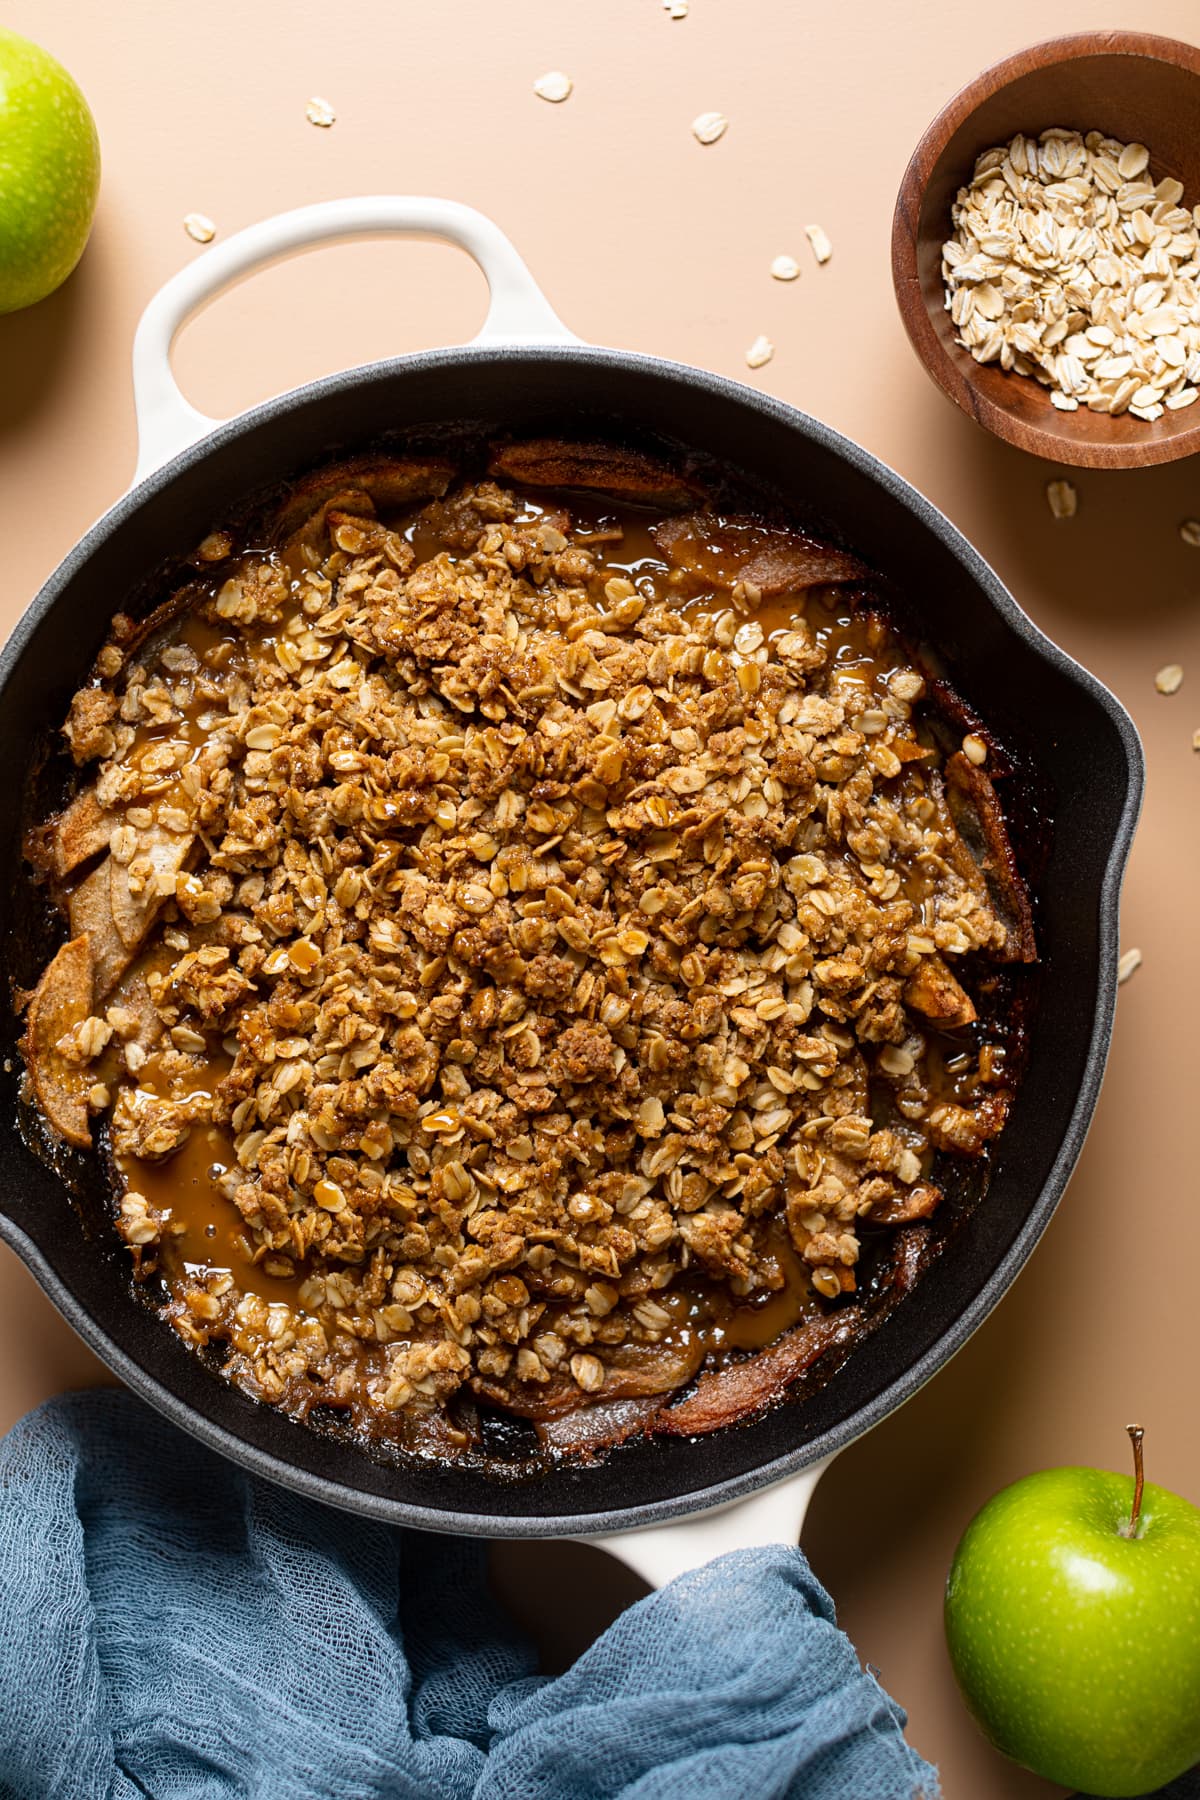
512	945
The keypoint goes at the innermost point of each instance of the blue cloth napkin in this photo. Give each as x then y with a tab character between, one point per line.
171	1628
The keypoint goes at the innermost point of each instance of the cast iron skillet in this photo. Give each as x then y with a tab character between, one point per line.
528	376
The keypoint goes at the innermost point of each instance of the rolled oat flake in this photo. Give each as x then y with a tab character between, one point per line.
1131	960
553	86
822	249
708	127
1062	499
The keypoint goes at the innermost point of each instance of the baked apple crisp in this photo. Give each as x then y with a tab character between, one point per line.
522	936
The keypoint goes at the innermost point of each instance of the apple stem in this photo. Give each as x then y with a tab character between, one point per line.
1136	1434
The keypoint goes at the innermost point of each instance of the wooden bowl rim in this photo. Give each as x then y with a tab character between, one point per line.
1181	439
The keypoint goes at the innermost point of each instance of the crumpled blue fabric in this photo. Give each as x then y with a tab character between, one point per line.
172	1629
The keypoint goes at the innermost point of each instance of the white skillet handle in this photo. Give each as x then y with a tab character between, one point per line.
518	313
775	1515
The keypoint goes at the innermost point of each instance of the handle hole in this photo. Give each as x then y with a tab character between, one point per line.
525	1573
324	311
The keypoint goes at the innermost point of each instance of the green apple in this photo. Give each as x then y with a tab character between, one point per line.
49	172
1073	1623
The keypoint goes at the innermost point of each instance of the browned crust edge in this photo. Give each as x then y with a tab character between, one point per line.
595	468
980	822
61	1000
389	481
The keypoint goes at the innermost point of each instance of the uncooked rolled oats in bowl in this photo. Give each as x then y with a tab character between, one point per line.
1046	250
1069	264
537	945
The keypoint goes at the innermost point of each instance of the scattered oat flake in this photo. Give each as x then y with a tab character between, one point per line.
785	268
1189	531
677	9
1196	740
1131	960
1064	501
319	112
822	249
1169	679
761	351
199	227
708	127
553	86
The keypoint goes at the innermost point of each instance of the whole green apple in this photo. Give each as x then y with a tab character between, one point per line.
49	172
1073	1623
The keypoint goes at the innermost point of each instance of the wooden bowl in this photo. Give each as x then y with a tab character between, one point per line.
1128	84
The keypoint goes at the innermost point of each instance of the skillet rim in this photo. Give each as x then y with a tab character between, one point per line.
988	585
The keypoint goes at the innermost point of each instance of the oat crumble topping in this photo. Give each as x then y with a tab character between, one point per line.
516	919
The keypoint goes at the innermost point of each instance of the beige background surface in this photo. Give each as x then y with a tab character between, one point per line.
644	239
